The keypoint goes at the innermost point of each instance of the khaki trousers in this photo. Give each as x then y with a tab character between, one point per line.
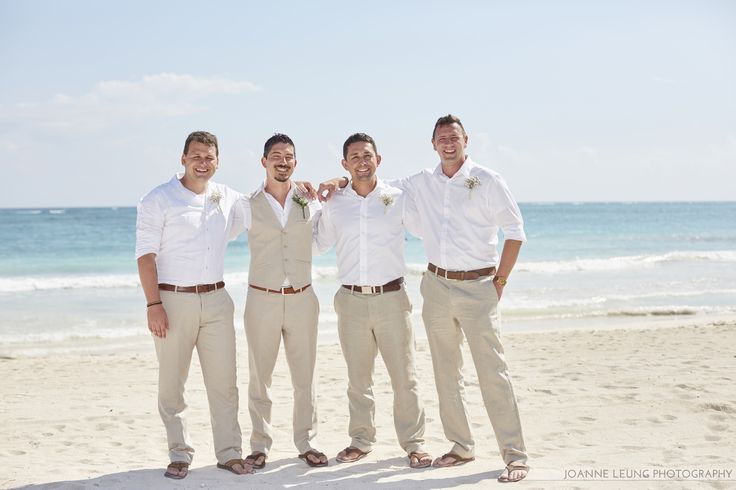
204	321
268	318
453	309
368	323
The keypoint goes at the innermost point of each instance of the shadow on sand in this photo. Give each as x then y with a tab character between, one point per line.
289	472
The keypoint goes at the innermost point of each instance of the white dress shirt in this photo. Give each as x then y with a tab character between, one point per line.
367	232
459	225
188	232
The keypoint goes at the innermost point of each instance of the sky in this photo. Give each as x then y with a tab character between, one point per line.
568	100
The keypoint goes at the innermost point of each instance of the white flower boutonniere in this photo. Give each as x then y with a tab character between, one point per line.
216	197
302	202
471	183
387	200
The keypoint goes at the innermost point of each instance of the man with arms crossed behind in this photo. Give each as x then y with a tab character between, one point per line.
365	221
281	301
461	206
182	231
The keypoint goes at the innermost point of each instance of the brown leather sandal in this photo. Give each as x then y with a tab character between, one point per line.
512	467
352	454
178	466
255	457
457	460
419	460
316	454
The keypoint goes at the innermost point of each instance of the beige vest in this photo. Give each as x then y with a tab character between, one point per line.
277	253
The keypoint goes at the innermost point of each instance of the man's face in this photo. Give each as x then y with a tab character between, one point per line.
280	162
361	161
450	142
200	162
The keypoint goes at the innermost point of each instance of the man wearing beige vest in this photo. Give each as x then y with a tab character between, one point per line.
365	222
182	231
281	302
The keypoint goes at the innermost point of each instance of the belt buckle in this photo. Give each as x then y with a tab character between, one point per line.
366	289
196	288
283	291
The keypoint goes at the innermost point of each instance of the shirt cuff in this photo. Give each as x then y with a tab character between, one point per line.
514	233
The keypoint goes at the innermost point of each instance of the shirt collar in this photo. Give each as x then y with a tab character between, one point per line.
176	182
464	170
262	188
380	186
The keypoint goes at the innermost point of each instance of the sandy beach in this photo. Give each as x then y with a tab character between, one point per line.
650	402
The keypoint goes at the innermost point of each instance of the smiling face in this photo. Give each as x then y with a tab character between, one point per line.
449	142
361	161
280	162
200	163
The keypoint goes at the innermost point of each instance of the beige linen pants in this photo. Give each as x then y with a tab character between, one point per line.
204	321
368	323
453	309
268	318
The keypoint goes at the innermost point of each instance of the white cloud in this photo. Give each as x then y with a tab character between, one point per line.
152	97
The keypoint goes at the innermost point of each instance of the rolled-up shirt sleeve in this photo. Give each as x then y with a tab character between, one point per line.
149	226
240	216
325	235
505	211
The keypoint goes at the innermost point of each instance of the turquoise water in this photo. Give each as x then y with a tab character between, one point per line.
69	274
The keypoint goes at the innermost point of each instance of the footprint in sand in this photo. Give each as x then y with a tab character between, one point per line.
59	427
16	452
587	419
669	417
719	407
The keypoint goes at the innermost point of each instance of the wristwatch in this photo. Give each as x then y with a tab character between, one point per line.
500	280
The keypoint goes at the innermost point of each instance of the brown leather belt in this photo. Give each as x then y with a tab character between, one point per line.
390	286
461	275
199	288
289	290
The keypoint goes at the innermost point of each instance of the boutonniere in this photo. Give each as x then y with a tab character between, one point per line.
216	197
471	183
302	202
387	200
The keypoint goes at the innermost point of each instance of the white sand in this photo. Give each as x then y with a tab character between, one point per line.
635	399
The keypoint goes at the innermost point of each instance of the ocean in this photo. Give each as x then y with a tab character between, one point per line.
68	277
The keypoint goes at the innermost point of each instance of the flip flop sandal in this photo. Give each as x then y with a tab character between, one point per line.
177	465
255	457
419	457
229	466
316	454
457	460
349	452
511	467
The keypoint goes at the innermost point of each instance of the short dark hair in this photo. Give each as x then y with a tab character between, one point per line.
275	139
204	137
446	121
355	138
